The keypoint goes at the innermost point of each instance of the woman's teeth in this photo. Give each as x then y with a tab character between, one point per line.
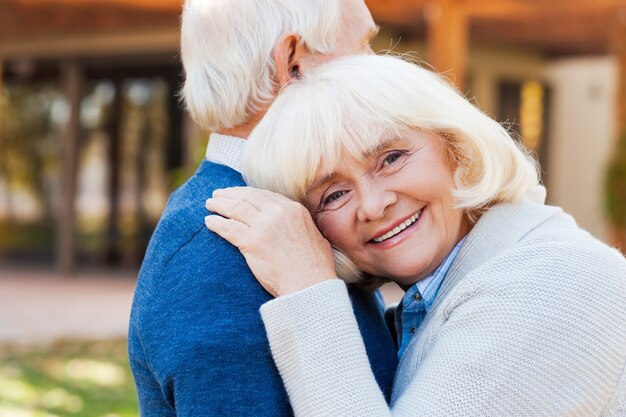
399	228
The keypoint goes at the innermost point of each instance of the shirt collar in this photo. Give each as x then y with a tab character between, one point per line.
226	150
428	287
419	299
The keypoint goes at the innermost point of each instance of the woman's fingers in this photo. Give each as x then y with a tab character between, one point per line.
248	204
277	236
255	196
233	208
231	230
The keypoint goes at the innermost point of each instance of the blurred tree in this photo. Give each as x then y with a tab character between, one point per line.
29	145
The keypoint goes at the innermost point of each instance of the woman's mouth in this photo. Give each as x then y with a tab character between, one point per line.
399	228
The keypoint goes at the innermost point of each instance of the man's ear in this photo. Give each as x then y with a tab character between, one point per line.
288	55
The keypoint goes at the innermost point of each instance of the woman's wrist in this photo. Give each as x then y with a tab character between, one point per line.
301	281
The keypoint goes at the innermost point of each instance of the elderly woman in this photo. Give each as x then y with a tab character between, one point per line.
510	308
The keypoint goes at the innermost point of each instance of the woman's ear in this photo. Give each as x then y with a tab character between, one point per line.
288	55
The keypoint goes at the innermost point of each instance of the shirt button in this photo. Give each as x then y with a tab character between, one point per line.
417	297
413	330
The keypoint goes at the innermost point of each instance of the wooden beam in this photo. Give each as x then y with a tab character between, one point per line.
447	38
528	12
72	81
396	11
147	4
146	42
520	9
506	8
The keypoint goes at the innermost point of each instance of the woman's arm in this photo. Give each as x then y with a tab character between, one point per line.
512	339
317	347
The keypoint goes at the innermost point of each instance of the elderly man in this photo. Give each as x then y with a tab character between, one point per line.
197	345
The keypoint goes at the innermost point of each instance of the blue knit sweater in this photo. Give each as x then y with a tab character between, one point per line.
197	346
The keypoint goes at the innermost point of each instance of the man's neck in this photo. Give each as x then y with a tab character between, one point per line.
244	129
237	131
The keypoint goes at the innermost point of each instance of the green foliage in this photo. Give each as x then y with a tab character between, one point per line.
29	143
67	379
179	175
35	236
615	185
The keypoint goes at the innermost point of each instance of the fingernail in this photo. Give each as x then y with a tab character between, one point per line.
207	203
207	221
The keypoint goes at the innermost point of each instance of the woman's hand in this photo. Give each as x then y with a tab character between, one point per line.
277	236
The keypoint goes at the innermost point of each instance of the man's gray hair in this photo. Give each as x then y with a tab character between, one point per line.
227	46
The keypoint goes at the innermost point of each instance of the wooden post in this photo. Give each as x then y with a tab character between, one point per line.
619	48
447	38
72	82
174	144
190	138
1	114
2	150
114	130
1	95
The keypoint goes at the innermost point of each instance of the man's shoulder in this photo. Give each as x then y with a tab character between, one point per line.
185	208
183	216
181	244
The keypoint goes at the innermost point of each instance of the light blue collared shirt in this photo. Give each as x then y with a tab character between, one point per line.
418	300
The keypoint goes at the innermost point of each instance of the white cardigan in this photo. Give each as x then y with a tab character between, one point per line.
530	321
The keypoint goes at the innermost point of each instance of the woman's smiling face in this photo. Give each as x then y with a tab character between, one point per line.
392	211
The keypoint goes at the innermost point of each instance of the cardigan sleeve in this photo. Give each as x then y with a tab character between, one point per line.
317	347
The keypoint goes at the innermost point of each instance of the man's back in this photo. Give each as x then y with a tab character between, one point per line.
197	345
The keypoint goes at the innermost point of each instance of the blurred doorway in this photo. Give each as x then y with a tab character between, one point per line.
524	106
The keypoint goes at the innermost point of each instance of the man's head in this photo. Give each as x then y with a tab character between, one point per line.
237	54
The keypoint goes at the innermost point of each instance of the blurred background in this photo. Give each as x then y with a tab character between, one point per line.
93	140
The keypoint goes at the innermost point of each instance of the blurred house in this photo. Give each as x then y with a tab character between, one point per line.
93	138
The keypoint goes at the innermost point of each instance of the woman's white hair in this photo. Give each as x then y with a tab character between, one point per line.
346	106
227	46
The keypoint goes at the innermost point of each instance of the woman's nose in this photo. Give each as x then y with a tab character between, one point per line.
374	202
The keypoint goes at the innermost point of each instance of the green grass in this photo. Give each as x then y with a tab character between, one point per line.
67	379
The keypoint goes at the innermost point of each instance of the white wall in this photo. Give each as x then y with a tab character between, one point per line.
581	136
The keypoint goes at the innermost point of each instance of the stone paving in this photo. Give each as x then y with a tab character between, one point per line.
39	306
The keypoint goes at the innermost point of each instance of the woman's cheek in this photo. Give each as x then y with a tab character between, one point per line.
330	230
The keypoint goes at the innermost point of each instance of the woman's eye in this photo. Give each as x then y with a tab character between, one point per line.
334	196
391	158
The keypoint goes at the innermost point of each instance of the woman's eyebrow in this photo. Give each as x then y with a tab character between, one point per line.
385	144
366	155
319	182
